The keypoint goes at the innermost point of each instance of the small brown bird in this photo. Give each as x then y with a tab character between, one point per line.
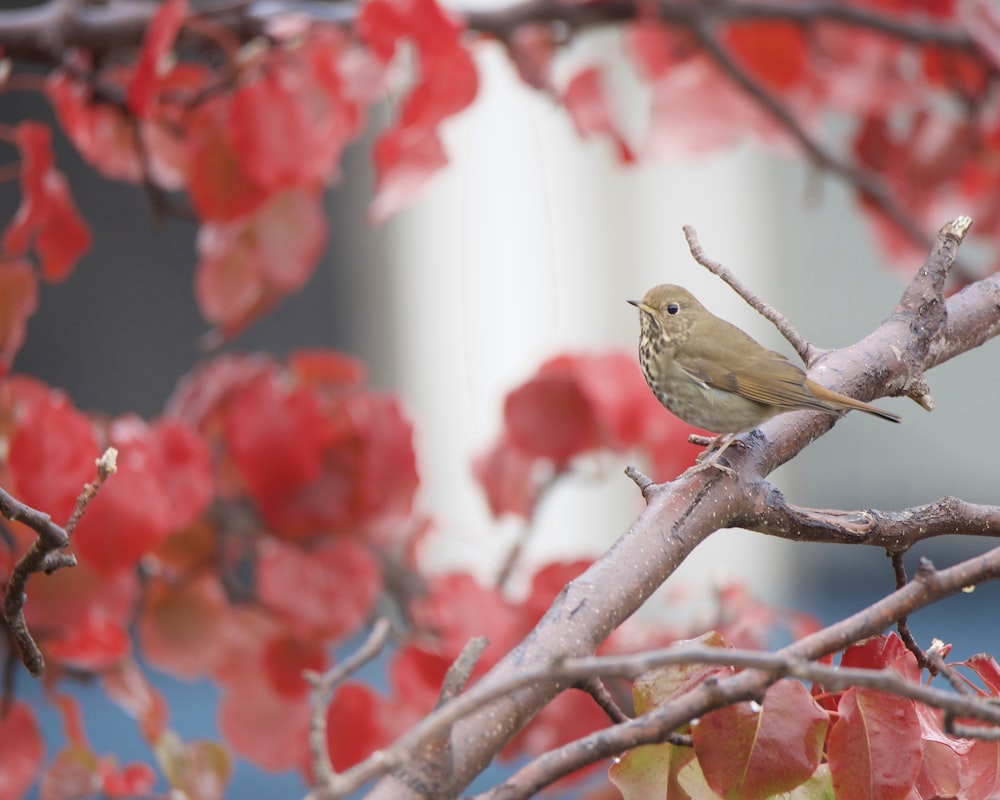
713	376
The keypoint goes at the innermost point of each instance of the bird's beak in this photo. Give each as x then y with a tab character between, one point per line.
640	305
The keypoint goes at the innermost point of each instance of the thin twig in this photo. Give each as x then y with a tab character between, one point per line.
805	350
43	556
322	693
461	669
643	481
595	687
901	624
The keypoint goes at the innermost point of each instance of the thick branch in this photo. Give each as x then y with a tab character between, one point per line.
580	16
43	32
896	531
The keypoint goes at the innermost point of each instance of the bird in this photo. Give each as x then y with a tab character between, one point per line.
712	375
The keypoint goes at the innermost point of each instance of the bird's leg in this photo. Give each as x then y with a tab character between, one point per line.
710	456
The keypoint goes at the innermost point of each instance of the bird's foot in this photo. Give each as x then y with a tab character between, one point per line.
710	456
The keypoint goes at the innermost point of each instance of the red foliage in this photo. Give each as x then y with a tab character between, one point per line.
411	150
369	729
220	188
152	62
457	608
775	53
47	219
324	592
136	511
180	626
23	748
751	751
18	301
874	745
52	452
587	103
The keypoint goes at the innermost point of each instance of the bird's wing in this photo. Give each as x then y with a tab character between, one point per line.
767	378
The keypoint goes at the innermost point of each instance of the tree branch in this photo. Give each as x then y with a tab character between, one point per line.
322	692
43	556
897	531
805	350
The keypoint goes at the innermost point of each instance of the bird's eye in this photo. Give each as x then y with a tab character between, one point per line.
673	308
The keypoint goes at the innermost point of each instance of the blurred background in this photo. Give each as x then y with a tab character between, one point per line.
528	245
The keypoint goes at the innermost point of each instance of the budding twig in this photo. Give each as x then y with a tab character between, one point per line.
43	556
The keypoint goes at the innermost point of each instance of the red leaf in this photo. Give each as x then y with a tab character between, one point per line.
267	728
987	668
93	645
52	455
247	266
328	591
874	746
410	151
75	598
284	660
356	724
550	417
185	466
773	52
512	479
981	769
219	186
276	437
616	390
23	749
269	132
587	103
72	719
180	627
291	123
47	214
404	160
133	512
369	472
941	771
751	752
416	677
153	57
18	301
101	132
201	399
132	780
456	608
959	72
875	652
